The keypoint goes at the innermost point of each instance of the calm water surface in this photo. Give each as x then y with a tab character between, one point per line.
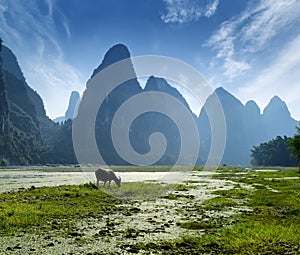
15	179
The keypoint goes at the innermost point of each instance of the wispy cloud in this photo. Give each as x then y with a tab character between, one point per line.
30	31
211	8
280	78
59	79
28	23
67	28
50	7
6	31
184	11
250	32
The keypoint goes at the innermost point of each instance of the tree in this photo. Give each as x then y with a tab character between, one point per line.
273	153
294	145
3	114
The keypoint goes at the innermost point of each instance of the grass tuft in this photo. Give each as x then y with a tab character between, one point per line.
218	203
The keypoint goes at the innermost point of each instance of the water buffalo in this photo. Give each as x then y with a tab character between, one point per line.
107	176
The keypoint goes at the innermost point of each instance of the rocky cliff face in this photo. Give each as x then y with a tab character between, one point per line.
22	139
73	105
4	117
18	88
10	63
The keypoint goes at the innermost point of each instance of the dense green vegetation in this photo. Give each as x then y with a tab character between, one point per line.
3	114
60	148
294	144
275	152
27	135
32	209
20	140
36	207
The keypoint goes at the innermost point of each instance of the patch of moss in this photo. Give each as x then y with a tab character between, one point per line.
197	225
183	187
218	203
233	193
36	207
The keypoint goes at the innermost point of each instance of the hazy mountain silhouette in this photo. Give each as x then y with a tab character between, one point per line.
72	108
115	54
161	85
277	119
235	151
253	124
246	126
150	122
113	101
29	136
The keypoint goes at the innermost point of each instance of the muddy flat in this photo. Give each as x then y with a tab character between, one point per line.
192	212
136	221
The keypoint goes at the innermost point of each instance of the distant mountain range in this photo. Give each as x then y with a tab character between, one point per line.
23	112
246	126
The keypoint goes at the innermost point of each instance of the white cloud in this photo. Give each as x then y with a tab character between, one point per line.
27	23
223	41
234	68
250	32
184	11
33	37
280	78
57	83
211	8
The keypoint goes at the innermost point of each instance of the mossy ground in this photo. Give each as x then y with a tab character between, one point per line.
271	227
38	207
226	213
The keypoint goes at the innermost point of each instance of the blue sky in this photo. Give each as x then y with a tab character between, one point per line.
251	48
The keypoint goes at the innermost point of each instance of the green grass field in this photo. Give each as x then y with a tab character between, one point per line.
270	224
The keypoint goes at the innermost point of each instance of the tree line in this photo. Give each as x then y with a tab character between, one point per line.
280	151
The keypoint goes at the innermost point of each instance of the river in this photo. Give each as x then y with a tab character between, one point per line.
14	179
